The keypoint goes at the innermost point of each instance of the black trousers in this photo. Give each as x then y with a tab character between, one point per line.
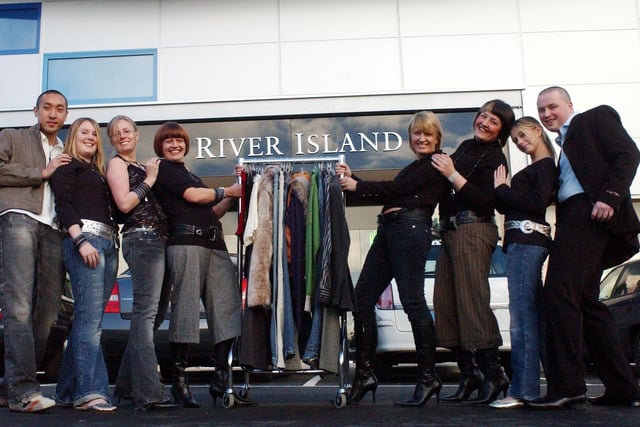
575	317
398	251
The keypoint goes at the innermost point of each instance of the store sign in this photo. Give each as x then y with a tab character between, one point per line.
303	145
373	142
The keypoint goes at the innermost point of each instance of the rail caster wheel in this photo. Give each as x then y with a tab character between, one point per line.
228	401
340	401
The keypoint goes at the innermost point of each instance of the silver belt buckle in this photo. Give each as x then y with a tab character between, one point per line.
526	226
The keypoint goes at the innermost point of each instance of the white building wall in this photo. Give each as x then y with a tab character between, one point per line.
222	58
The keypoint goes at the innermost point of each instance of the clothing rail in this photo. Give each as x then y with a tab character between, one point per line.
339	400
309	159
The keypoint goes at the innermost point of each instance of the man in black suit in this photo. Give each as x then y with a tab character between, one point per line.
596	228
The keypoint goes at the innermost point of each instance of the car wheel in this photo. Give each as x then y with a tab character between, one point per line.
383	367
51	365
165	370
636	355
113	366
505	359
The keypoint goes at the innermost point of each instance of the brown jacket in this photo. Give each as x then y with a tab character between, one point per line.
21	163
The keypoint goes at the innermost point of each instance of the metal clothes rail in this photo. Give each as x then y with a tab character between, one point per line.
340	399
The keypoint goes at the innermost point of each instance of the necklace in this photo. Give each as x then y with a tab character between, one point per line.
475	165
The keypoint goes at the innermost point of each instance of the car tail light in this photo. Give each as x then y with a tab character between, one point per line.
113	305
385	302
244	292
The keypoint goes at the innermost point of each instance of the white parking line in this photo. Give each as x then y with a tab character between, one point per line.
313	381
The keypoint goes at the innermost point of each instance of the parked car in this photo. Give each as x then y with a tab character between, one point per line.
620	291
116	323
48	369
395	339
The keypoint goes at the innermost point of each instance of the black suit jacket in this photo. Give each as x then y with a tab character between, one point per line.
604	159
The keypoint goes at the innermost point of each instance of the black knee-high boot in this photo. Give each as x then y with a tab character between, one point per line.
220	379
366	336
495	379
180	388
424	335
470	376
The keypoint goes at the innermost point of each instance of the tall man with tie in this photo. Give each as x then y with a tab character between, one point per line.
596	228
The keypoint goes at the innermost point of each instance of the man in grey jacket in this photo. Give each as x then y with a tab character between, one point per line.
31	268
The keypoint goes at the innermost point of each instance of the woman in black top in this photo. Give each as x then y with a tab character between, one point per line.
526	241
399	251
90	251
198	261
144	240
464	319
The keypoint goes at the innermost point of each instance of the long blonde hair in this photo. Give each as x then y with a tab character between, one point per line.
529	124
70	144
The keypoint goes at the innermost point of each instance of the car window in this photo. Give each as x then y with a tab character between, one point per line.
608	284
631	281
498	262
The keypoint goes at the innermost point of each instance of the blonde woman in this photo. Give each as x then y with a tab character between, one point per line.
527	240
90	252
399	251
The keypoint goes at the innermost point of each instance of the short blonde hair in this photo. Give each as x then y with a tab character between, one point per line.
427	122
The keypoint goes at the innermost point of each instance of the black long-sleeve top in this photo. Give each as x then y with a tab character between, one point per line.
173	180
476	161
80	192
530	193
417	186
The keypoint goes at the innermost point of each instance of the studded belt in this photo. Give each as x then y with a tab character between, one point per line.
98	228
527	227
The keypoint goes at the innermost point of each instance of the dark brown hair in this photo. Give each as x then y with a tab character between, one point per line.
170	130
504	113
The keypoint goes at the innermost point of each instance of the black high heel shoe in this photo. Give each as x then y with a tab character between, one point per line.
466	387
364	382
490	389
156	406
423	392
182	395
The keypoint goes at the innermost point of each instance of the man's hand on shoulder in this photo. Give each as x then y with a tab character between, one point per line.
54	164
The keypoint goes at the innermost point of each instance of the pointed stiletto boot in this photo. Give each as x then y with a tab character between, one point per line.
495	379
429	383
220	380
470	376
180	388
366	336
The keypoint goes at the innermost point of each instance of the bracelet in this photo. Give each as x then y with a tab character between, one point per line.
219	193
142	191
453	176
79	240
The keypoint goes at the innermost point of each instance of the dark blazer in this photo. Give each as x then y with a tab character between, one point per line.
604	159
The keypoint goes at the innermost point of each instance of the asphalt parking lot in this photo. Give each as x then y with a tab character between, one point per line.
306	400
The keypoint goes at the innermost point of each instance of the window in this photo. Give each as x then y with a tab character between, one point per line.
103	77
19	28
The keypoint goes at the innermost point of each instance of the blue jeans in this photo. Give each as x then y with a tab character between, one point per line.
83	372
524	270
144	252
31	279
